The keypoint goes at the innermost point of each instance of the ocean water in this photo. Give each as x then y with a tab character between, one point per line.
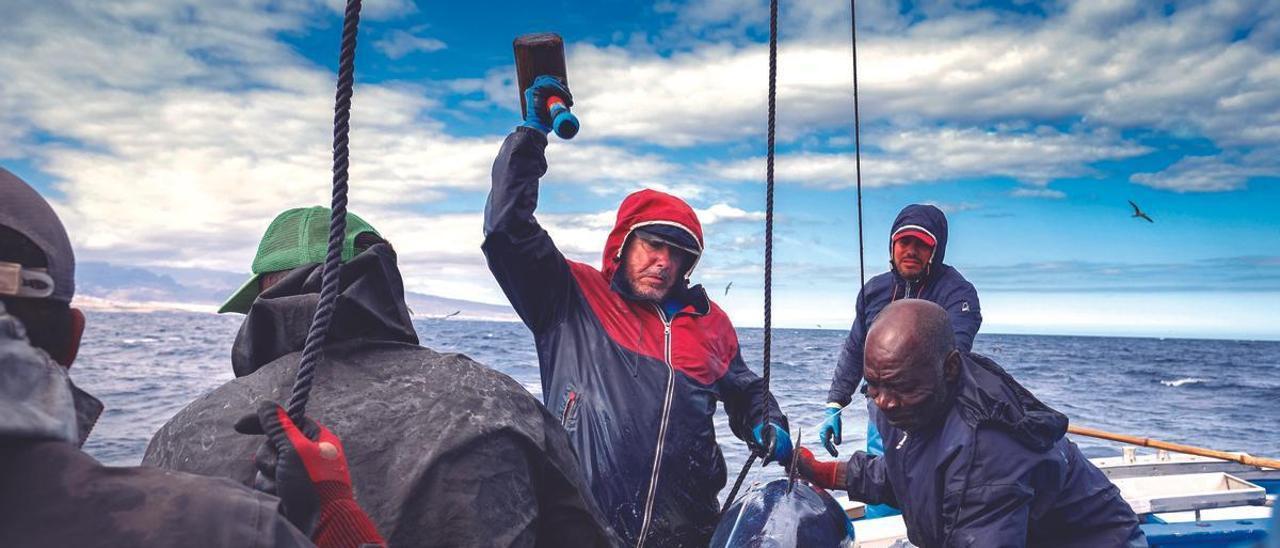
1218	394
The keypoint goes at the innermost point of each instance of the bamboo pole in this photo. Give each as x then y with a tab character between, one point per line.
1175	447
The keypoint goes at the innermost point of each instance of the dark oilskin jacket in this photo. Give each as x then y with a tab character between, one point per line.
443	451
53	494
995	471
942	285
635	389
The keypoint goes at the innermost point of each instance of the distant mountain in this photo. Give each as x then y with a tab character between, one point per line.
134	284
104	285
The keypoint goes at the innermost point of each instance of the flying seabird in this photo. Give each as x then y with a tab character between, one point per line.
1138	212
726	288
451	314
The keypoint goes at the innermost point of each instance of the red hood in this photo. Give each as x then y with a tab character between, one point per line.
648	207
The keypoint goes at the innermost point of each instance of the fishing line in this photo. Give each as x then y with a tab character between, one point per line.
768	247
857	155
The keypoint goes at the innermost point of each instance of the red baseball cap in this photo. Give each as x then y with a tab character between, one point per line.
915	231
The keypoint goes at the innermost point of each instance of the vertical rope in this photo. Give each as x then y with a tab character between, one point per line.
768	241
768	215
311	351
857	152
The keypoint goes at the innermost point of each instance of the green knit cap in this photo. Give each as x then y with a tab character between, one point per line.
297	237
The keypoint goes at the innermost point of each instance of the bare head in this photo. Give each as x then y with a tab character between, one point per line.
910	362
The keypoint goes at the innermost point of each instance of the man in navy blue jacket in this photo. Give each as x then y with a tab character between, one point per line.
917	247
632	359
972	458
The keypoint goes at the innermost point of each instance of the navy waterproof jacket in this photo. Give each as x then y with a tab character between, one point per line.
636	390
995	471
942	285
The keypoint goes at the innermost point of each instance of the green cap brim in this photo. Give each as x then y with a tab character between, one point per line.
243	298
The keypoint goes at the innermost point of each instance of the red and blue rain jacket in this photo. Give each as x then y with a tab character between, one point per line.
635	389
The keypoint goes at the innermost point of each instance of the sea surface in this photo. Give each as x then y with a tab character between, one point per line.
1211	393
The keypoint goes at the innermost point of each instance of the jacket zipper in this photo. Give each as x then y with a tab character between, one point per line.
662	428
568	408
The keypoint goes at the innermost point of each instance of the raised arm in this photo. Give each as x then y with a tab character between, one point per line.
521	255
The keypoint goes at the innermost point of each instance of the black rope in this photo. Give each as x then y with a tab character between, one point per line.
857	151
768	204
768	245
311	350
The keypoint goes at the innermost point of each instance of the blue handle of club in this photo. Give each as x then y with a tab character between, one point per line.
563	122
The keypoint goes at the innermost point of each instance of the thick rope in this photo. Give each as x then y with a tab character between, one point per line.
768	245
311	351
857	151
768	207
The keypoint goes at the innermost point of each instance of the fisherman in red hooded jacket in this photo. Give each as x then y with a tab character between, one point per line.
632	358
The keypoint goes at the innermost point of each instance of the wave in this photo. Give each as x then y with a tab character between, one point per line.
139	340
1182	381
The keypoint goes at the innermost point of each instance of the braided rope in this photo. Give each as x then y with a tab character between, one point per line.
311	350
768	215
857	151
768	245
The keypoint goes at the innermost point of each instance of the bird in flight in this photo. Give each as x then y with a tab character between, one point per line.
451	314
726	288
1138	212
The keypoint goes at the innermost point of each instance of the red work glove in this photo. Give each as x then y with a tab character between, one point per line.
824	474
307	468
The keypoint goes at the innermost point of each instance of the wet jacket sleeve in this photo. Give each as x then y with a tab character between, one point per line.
521	255
745	399
965	314
867	479
849	367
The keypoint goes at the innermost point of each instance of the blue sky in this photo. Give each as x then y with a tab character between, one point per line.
168	133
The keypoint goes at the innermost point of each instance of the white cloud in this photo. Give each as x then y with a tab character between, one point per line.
950	208
178	136
1049	193
725	213
399	43
1169	72
376	9
1189	74
919	155
1207	174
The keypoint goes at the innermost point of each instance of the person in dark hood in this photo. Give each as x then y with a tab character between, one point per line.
632	358
917	247
973	458
56	495
443	450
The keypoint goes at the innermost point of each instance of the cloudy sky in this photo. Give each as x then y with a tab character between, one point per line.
170	132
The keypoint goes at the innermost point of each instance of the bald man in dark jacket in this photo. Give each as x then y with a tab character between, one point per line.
971	457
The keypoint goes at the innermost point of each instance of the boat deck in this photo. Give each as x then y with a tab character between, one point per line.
1183	501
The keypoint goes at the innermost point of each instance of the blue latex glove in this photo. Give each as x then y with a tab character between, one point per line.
829	432
544	87
782	442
